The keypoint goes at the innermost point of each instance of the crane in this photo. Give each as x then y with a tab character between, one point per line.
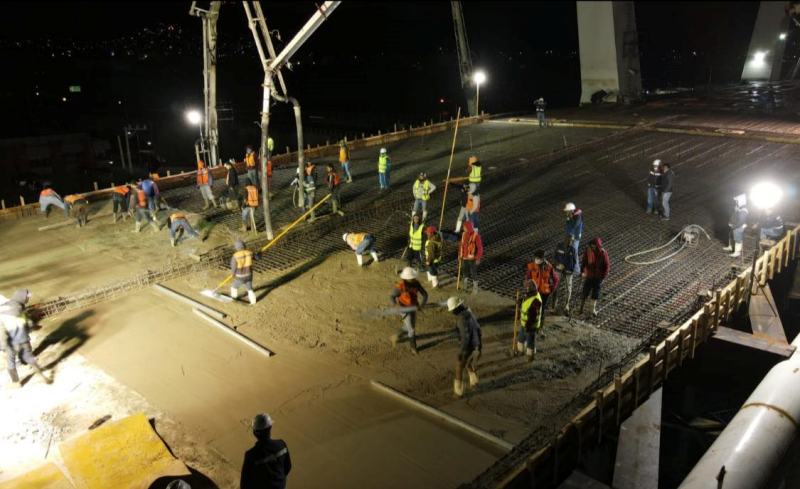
464	58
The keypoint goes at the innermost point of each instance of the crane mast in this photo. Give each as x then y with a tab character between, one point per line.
464	58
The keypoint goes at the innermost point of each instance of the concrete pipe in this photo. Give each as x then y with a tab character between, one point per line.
752	447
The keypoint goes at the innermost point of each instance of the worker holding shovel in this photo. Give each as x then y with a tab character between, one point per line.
242	271
405	294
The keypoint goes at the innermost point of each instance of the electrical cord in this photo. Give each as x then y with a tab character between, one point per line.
684	244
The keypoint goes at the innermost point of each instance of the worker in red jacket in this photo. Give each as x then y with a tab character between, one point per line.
471	252
595	266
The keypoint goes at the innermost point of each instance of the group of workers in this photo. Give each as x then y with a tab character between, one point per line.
659	189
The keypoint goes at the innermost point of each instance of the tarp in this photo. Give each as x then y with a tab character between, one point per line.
48	476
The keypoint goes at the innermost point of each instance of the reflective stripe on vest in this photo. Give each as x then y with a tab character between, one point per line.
422	191
415	237
141	197
433	250
526	306
250	160
202	176
383	161
244	261
471	247
408	294
252	196
177	215
47	192
475	174
71	199
355	239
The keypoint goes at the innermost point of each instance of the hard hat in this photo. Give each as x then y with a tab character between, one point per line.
453	303
178	484
423	175
569	207
408	273
430	230
383	151
344	237
741	199
656	162
540	99
472	159
262	422
238	245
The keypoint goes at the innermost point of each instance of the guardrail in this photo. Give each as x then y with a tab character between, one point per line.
613	404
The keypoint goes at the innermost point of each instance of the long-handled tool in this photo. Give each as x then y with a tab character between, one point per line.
516	327
402	257
460	261
449	166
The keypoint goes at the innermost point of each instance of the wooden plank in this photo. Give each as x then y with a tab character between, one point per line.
751	341
763	316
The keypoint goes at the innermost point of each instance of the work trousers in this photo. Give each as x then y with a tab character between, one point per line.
527	337
470	269
143	214
565	282
366	246
205	191
409	323
737	235
414	256
246	282
469	360
310	200
119	203
665	196
346	171
252	175
652	199
247	214
383	179
182	224
48	200
540	117
24	352
420	205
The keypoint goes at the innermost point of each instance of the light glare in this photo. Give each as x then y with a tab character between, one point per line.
765	195
479	77
194	117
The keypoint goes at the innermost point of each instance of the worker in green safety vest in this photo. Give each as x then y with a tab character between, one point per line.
414	252
270	147
384	167
530	320
423	188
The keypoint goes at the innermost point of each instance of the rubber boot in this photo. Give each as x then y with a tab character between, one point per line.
251	295
336	209
214	201
138	226
728	248
360	260
234	293
424	215
374	255
395	338
473	379
458	388
244	227
435	281
474	287
36	368
430	277
529	355
116	217
156	225
594	308
458	226
737	250
520	348
173	241
412	343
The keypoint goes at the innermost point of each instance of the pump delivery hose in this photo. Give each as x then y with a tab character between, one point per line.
690	227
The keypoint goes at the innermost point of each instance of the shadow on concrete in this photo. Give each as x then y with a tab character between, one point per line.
71	335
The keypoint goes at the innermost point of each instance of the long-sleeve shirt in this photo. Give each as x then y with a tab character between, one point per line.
266	465
654	179
738	218
397	292
574	226
469	331
232	178
666	181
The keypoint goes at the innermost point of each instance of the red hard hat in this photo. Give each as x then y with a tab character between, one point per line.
430	230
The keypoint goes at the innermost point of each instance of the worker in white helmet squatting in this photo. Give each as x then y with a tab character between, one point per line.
737	224
384	168
405	294
653	187
361	243
469	334
268	463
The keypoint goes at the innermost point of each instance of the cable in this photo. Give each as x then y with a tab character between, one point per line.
686	230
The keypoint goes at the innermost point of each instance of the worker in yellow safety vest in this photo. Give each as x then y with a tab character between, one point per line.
530	320
242	271
344	159
384	168
414	251
422	190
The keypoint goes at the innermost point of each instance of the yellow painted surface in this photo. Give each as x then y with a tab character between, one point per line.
126	453
48	476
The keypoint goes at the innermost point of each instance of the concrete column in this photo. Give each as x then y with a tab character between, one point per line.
765	55
609	51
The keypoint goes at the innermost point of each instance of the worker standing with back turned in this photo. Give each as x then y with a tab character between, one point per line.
268	463
78	208
737	224
422	190
541	272
250	165
251	203
119	201
344	160
470	252
242	271
405	294
205	179
469	335
334	187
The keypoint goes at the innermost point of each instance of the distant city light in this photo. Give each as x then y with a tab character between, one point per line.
119	102
765	195
782	36
149	143
37	94
63	99
194	117
479	77
441	100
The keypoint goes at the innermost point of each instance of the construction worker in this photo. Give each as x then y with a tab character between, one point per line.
270	147
530	320
433	254
422	190
78	208
737	224
179	224
151	192
540	105
414	251
251	165
474	172
119	200
564	258
333	182
574	228
251	202
469	336
384	168
310	187
205	179
470	252
595	266
242	271
15	338
231	191
667	179
268	463
466	206
653	187
344	160
474	208
361	243
542	273
48	197
771	225
143	213
405	294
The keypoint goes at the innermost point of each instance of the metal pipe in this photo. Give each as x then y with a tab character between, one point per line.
300	152
305	32
263	153
756	441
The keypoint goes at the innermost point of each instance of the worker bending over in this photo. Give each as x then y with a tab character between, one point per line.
119	201
143	213
422	190
333	181
530	320
179	224
469	336
268	463
47	198
433	254
737	224
542	273
405	294
595	266
152	193
15	338
361	243
78	208
242	271
470	252
251	202
414	251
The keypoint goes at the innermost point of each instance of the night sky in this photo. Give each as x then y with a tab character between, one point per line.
368	66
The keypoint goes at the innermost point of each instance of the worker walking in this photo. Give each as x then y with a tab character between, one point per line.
119	201
309	188
470	252
405	294
574	228
333	182
564	258
242	271
667	178
361	243
737	224
344	160
268	463
205	179
653	187
251	203
384	168
595	266
78	208
469	336
540	105
15	338
250	165
433	254
231	191
415	241
422	190
530	319
542	273
47	198
178	225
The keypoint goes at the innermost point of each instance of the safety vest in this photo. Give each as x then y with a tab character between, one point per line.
355	239
470	247
71	199
475	174
47	192
422	191
252	196
122	190
383	162
470	202
433	250
202	176
270	145
141	197
334	178
542	275
526	306
177	215
250	160
344	155
244	262
408	293
415	237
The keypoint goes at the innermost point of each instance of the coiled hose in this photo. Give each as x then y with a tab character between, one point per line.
690	227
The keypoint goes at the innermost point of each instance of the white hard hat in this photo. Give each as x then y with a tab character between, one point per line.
344	237
408	273
453	303
179	484
741	199
656	162
262	422
569	207
383	150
